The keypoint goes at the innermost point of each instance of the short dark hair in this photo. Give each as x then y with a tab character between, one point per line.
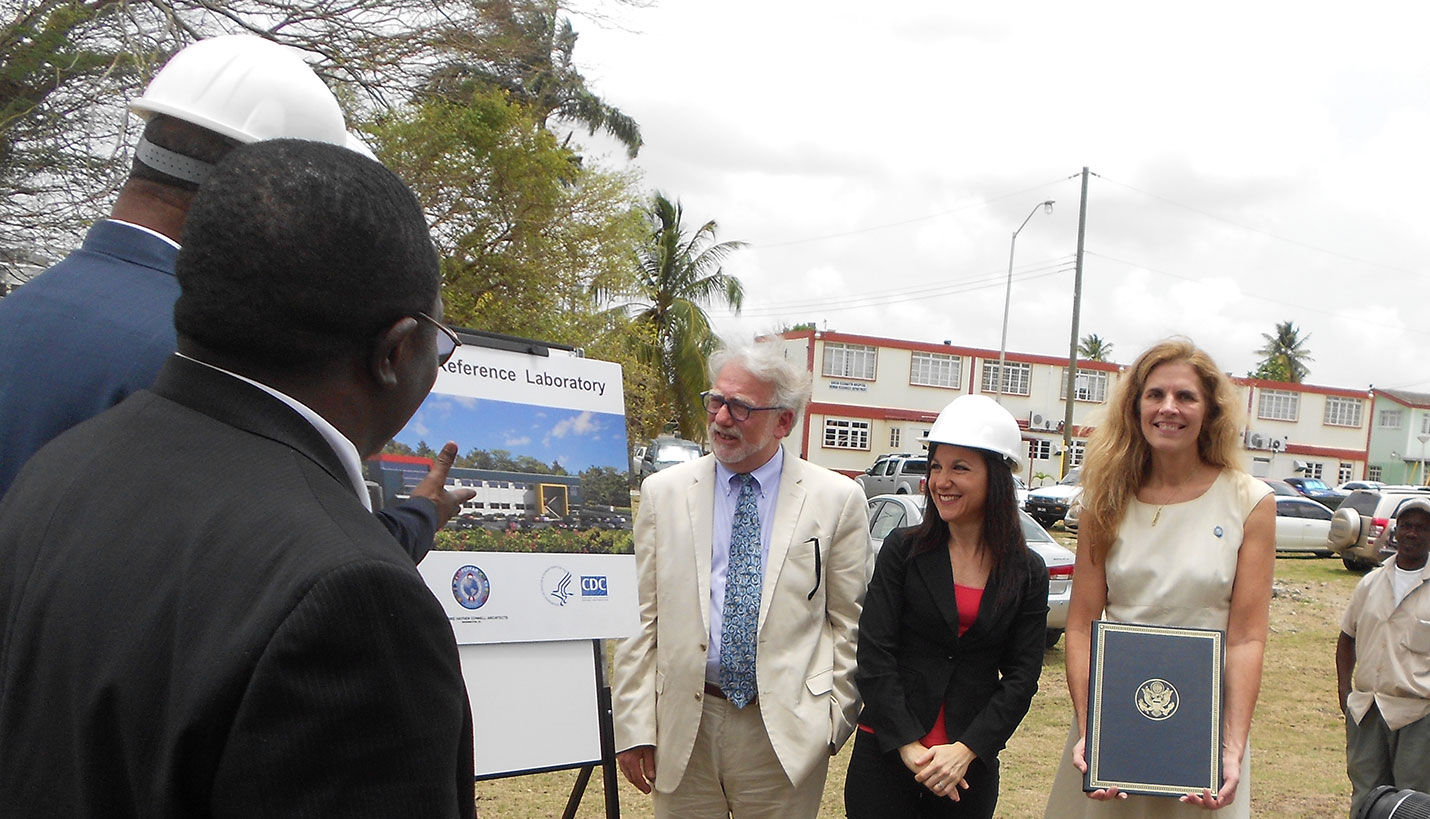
297	253
182	138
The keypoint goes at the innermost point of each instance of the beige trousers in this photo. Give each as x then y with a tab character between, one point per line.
733	772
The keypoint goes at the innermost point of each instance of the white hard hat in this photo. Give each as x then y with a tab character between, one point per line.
979	422
356	143
246	88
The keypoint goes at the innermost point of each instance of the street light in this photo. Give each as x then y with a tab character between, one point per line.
1424	436
1008	297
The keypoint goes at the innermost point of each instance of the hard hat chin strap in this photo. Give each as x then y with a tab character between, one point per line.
172	164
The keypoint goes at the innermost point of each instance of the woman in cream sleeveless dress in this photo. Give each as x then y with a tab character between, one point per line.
1194	546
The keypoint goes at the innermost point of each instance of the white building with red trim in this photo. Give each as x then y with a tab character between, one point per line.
875	395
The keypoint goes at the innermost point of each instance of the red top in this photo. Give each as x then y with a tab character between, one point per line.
968	600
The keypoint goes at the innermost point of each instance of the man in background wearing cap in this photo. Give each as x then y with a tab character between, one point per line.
1383	665
752	565
99	324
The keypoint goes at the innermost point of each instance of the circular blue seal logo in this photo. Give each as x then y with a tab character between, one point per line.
470	587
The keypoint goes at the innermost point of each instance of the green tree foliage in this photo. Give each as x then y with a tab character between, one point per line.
525	230
605	486
1284	355
1093	347
679	272
68	67
527	53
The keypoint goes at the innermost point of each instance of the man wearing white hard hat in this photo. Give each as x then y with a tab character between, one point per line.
1383	665
98	325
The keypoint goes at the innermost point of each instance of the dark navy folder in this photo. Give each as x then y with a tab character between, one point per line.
1154	709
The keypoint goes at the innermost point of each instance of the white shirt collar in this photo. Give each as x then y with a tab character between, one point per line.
347	453
763	474
156	234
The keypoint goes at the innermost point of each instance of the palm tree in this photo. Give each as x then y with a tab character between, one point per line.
1285	353
678	273
528	55
1094	348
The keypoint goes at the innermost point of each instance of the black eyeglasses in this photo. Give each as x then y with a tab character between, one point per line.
447	341
739	410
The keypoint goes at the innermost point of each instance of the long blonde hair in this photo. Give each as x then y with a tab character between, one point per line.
1117	453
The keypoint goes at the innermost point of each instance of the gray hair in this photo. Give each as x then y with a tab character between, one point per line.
767	362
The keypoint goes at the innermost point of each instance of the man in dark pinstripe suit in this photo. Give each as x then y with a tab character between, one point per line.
198	615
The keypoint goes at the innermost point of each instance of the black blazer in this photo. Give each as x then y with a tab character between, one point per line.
200	619
911	659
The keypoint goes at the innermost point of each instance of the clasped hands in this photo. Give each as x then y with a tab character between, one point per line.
941	768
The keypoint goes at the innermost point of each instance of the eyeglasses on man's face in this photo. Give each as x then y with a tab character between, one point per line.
447	341
739	410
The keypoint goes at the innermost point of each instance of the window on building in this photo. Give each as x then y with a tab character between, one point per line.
1425	424
1040	449
1372	473
894	435
1088	385
1344	472
1390	419
843	433
1015	381
850	361
1278	405
1075	454
1342	412
935	370
1314	470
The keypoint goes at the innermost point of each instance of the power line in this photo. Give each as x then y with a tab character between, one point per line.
910	221
1260	231
916	293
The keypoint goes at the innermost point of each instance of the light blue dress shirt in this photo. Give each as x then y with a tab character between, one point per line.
727	492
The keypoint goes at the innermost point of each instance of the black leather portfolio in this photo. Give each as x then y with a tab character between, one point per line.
1154	709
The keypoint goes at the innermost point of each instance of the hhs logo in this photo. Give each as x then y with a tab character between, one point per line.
593	585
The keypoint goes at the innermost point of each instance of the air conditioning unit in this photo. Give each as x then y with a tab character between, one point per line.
1257	440
1278	444
1042	422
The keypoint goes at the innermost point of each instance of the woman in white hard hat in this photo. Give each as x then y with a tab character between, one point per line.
951	638
1172	533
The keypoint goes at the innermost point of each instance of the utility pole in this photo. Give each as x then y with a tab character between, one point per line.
1072	346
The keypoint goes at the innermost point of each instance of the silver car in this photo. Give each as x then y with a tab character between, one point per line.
890	512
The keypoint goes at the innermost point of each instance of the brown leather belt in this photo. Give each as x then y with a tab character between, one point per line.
713	690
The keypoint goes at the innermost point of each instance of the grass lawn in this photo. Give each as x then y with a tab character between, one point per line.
1298	742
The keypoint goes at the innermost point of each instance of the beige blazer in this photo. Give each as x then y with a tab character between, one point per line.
808	622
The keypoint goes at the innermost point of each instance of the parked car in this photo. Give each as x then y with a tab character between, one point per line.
1362	527
1316	490
1281	488
890	512
899	473
1049	504
1303	525
667	451
1350	486
1074	512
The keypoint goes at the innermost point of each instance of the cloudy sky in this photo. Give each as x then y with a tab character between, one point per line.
1252	162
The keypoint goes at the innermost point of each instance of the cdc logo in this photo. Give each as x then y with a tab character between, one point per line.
470	587
593	585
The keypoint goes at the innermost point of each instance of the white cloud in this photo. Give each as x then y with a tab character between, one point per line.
1246	173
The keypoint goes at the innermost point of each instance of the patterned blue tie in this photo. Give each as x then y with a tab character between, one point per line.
742	600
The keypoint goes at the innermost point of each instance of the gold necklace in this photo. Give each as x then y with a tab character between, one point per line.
1157	515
